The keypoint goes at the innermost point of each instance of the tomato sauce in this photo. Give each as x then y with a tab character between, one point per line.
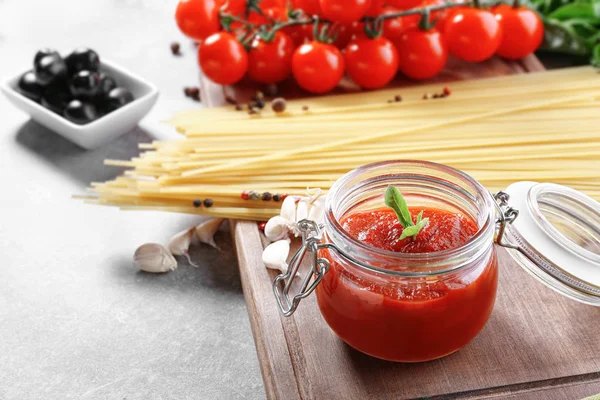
408	319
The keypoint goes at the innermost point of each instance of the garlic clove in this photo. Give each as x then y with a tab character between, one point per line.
276	229
275	255
205	232
154	258
288	209
317	209
302	209
180	243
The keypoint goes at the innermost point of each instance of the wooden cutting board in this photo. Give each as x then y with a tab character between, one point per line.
536	345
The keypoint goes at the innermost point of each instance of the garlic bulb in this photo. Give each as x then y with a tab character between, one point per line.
205	232
180	243
317	209
275	255
154	258
302	209
288	209
277	228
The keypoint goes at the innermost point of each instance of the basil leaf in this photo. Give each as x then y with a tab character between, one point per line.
575	10
419	217
415	229
394	200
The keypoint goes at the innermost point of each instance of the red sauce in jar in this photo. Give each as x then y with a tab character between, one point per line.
408	319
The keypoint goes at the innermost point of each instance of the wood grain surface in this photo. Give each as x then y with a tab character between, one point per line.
536	345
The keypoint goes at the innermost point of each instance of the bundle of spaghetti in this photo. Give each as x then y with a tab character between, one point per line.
538	127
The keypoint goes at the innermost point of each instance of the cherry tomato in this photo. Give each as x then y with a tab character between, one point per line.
310	7
234	7
376	8
423	53
371	63
198	19
393	28
269	15
272	3
522	29
222	58
271	62
317	67
342	33
404	4
344	11
473	34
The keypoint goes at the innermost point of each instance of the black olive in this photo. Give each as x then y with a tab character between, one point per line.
85	84
117	98
80	112
43	53
56	96
50	68
29	87
107	83
83	59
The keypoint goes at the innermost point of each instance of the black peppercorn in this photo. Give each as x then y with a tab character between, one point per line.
398	98
266	196
197	203
208	203
175	49
276	197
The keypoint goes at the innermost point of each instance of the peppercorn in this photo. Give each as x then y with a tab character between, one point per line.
398	98
238	107
284	196
304	108
254	195
279	105
208	203
197	203
426	96
176	49
390	101
259	96
277	197
436	96
447	91
262	226
260	103
266	196
245	196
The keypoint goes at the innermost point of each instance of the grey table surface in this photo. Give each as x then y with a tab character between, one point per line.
77	321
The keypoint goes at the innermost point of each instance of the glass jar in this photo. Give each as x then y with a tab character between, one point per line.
419	307
409	307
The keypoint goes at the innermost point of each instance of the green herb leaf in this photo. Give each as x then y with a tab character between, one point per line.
419	217
394	200
415	229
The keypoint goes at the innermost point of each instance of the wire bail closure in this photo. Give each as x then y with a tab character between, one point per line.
506	216
311	238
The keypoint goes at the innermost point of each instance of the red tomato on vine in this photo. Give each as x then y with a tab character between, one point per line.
344	11
376	8
393	28
310	7
317	67
271	62
198	19
371	63
236	8
423	53
404	4
222	58
269	15
523	31
473	34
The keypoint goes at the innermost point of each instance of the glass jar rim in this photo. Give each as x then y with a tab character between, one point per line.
472	244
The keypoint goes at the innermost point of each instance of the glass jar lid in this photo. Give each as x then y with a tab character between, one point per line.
557	235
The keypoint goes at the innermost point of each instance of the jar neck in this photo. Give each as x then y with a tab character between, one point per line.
422	184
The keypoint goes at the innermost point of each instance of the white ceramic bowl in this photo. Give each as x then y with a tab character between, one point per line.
102	130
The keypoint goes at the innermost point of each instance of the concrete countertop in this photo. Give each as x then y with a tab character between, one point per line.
77	321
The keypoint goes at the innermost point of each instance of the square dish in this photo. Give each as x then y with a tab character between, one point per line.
102	130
